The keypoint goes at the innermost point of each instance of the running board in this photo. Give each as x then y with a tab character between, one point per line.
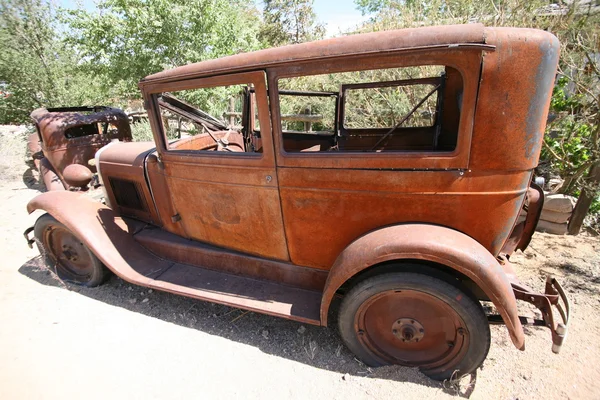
241	292
190	252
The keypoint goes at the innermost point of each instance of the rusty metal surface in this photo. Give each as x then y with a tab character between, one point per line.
337	206
553	296
433	243
108	237
160	193
77	175
266	297
125	161
62	151
512	109
405	341
216	195
341	47
49	176
73	261
173	247
535	204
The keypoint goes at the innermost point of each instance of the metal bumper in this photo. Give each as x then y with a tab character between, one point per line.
553	298
30	242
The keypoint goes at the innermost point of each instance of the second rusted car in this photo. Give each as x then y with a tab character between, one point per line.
66	140
387	169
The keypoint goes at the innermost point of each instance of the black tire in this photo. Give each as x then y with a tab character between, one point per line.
66	255
407	303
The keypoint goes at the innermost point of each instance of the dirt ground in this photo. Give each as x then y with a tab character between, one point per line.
60	341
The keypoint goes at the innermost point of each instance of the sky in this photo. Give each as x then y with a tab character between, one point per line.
337	15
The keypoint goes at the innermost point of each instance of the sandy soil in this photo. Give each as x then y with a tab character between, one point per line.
60	341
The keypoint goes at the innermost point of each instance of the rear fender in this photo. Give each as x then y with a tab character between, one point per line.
101	230
49	176
435	244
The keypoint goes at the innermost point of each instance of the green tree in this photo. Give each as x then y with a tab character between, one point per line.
128	39
35	67
289	22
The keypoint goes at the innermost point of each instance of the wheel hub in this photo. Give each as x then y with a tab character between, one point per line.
72	260
408	330
70	253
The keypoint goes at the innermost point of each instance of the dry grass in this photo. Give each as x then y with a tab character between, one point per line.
13	152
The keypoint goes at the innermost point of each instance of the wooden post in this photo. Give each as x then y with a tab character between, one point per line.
231	111
307	124
586	197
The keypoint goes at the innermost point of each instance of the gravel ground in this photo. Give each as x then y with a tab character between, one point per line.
122	341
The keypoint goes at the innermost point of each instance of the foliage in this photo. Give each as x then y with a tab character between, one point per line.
129	39
289	22
365	108
36	70
141	131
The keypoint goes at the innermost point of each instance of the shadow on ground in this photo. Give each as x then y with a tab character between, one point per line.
30	177
578	276
315	346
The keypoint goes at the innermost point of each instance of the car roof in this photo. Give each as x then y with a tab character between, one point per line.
375	42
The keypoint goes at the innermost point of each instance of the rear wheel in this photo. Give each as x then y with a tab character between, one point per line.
66	255
415	320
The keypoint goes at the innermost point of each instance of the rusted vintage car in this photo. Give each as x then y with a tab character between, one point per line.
67	138
384	170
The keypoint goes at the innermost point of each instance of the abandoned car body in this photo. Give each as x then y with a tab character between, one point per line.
388	169
67	138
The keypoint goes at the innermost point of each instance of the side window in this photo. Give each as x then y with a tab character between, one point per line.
386	104
104	128
82	130
386	110
211	119
307	118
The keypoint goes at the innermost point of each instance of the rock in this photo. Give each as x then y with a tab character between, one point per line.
145	300
265	334
559	203
149	291
302	329
551	227
554	216
346	377
132	301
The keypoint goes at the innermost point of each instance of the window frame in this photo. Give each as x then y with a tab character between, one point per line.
429	81
256	78
467	61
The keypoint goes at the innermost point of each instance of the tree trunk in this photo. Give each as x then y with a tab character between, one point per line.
585	200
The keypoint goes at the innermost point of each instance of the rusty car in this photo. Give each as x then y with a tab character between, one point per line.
385	171
66	140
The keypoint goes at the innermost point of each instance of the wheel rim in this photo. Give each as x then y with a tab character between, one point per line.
73	261
413	328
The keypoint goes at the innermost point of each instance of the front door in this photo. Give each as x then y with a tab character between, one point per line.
219	163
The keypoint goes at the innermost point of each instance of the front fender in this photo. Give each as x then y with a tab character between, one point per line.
102	231
49	176
436	244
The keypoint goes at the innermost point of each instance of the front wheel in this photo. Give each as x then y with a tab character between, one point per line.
66	255
415	320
